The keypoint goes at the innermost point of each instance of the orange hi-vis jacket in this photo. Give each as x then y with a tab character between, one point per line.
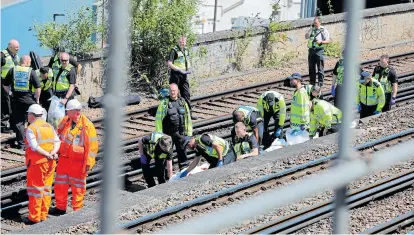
79	144
45	136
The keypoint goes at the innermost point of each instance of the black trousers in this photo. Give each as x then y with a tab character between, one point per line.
18	119
5	108
182	82
367	111
334	129
267	137
178	139
387	106
44	99
158	171
337	94
315	59
227	159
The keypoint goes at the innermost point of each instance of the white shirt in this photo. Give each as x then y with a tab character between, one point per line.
31	139
325	34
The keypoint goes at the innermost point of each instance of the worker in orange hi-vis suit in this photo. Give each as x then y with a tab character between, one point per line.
76	157
42	145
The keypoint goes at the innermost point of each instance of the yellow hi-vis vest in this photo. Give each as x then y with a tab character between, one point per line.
61	83
371	95
150	147
9	63
247	111
21	78
312	41
210	150
242	147
183	58
299	113
383	79
48	84
325	114
279	106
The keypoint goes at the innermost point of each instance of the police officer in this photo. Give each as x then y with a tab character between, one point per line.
338	75
173	118
55	64
179	63
324	116
64	79
387	76
271	104
214	149
250	116
9	59
299	111
157	146
245	144
313	91
46	75
370	96
317	37
21	79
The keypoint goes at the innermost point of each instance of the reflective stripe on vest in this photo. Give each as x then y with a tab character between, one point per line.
44	86
62	83
242	147
369	95
182	60
21	78
383	79
56	65
275	107
312	42
45	137
210	150
247	111
150	147
9	63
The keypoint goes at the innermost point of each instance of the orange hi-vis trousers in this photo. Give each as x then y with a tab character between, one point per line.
39	189
69	173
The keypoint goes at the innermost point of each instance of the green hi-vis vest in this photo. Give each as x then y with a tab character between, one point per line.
340	70
210	150
21	78
383	79
242	147
150	147
183	58
312	42
371	95
48	84
247	111
9	63
61	83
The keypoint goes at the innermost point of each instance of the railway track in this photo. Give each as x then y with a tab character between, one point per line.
395	225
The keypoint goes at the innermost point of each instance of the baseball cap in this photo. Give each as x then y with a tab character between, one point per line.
270	99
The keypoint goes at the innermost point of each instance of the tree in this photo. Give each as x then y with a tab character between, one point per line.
75	36
156	27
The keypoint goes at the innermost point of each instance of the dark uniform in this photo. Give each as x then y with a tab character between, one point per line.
316	55
205	149
62	81
7	62
173	118
55	64
339	73
180	58
152	150
46	88
21	79
244	145
387	77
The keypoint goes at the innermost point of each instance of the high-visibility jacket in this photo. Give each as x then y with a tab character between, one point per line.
45	136
299	111
9	63
79	144
183	58
241	146
48	84
371	94
164	108
247	111
56	65
150	147
383	79
278	106
61	83
324	114
210	150
312	41
340	71
21	79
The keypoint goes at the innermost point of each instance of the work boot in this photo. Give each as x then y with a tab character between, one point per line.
27	221
57	212
6	130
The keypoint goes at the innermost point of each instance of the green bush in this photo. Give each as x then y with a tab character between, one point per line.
333	49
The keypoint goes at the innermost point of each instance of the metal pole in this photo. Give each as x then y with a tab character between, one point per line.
118	59
351	57
314	7
302	8
309	9
215	15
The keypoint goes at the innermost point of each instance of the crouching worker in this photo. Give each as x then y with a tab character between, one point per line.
157	146
245	144
214	149
42	144
325	117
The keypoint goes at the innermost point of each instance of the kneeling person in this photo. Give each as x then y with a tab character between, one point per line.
245	144
324	116
157	146
214	149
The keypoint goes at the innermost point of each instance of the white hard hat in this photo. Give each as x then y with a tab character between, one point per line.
73	104
35	109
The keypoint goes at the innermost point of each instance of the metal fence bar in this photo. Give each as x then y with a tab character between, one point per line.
336	177
351	57
118	60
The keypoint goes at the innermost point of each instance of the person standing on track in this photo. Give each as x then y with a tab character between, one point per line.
76	157
41	152
179	64
370	97
64	79
387	76
299	111
338	75
46	81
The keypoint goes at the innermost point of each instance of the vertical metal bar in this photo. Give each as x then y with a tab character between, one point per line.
309	9
314	7
302	8
351	57
118	59
215	15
